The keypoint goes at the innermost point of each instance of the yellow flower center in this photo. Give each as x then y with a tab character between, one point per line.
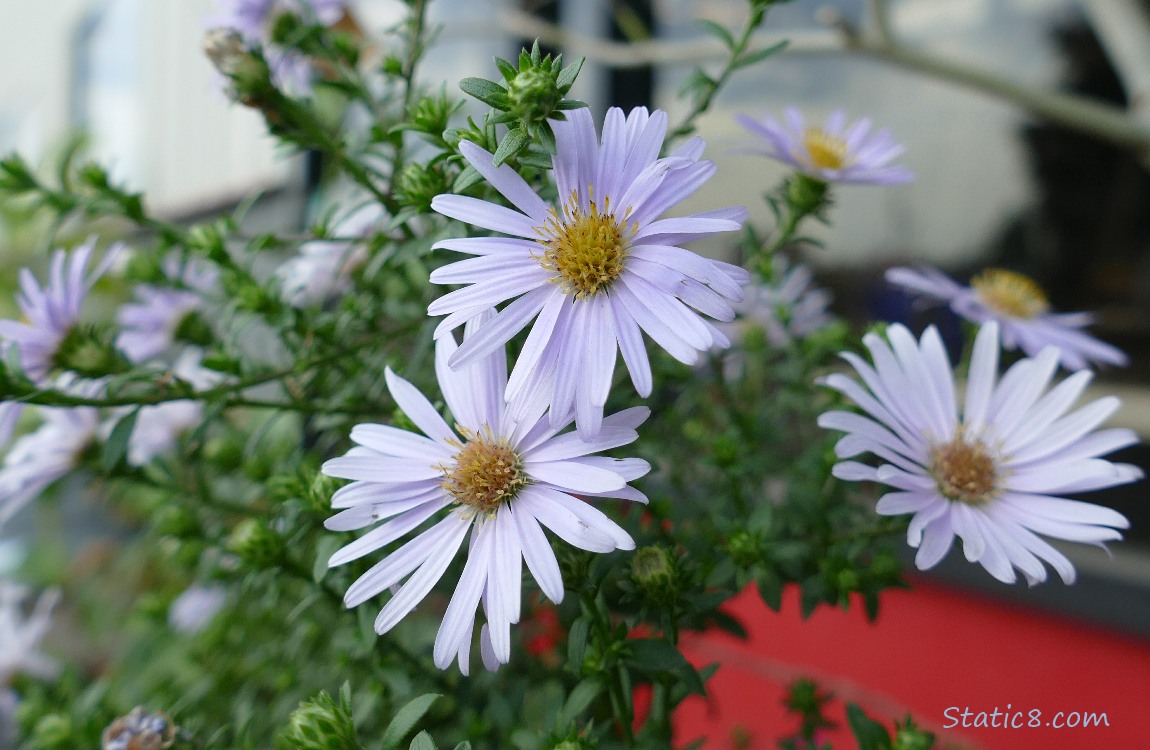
586	250
486	472
825	151
1010	293
965	472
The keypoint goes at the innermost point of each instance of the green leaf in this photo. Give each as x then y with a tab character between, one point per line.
654	655
512	143
406	720
465	745
117	446
568	75
323	552
719	31
488	92
423	741
751	58
771	589
577	644
468	177
581	697
870	734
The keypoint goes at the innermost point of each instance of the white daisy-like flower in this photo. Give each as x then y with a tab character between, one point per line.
835	152
1020	306
52	311
21	632
596	269
323	268
499	478
994	473
151	324
40	458
789	307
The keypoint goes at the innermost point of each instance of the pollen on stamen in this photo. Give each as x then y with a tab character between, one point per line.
485	473
824	151
965	472
1010	293
587	250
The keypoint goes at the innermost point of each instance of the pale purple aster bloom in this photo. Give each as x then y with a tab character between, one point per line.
196	607
21	632
10	412
835	152
1021	309
323	268
498	477
52	311
596	270
158	428
255	20
789	306
43	456
993	474
150	324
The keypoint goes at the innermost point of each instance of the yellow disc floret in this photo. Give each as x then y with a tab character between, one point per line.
585	249
485	474
965	472
824	151
1009	293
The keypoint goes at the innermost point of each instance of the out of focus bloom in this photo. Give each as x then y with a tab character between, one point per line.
994	475
195	608
597	269
139	730
160	315
158	428
835	152
21	632
255	20
1020	307
40	458
323	268
789	307
500	478
9	414
52	311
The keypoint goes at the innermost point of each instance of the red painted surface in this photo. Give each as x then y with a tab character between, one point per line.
932	649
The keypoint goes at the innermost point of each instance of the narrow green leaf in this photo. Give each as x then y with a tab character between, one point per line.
466	179
512	143
568	75
465	745
406	720
577	644
117	446
870	734
750	58
719	31
488	92
423	741
323	552
654	655
581	697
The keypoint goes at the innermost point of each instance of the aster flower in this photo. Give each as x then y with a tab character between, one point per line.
789	307
151	325
323	268
52	311
596	269
833	153
42	457
994	474
1020	307
499	478
20	633
10	412
255	21
196	607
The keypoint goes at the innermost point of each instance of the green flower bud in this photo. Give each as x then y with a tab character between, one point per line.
225	452
418	184
89	352
320	724
320	492
177	521
193	329
534	93
745	548
909	737
246	69
52	731
654	571
807	195
257	544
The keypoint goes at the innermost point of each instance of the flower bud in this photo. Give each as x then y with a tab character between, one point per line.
909	737
320	724
807	195
257	544
654	571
